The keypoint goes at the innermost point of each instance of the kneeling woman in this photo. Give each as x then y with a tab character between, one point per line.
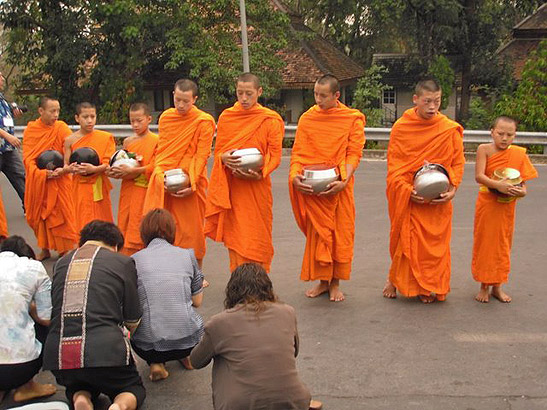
170	286
254	344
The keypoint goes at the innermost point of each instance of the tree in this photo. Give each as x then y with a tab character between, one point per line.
527	103
368	93
440	69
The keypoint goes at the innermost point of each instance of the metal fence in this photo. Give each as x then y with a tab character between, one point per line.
373	134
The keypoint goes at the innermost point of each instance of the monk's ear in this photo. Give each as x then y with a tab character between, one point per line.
76	116
415	99
40	111
194	99
259	91
337	95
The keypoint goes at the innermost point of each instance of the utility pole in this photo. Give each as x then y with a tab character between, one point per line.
244	41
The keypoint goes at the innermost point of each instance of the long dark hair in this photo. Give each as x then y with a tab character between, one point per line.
249	285
18	246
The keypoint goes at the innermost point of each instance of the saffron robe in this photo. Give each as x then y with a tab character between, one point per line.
420	233
91	194
3	220
185	143
133	193
495	220
48	202
333	137
239	211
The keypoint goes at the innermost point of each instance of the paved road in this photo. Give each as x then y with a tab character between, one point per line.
373	353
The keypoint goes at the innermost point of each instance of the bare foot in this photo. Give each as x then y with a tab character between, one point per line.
42	256
483	295
158	372
427	298
500	294
186	363
319	289
335	294
315	405
82	401
205	283
32	390
389	291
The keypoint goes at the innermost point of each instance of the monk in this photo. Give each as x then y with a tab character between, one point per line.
48	198
328	133
185	138
495	214
90	187
239	203
420	230
135	180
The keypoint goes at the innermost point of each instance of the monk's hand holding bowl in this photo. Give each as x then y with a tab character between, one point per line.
445	196
50	174
298	182
122	172
230	161
86	169
333	188
183	193
414	197
247	174
517	190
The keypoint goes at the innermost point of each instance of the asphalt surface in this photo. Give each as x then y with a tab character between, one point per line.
372	353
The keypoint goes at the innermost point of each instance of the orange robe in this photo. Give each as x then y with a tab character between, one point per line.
495	220
3	220
91	194
238	211
420	234
335	137
48	202
184	142
133	193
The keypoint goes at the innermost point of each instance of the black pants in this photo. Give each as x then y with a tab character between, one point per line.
108	380
154	356
13	376
12	166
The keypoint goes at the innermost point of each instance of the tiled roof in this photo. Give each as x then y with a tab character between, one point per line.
536	21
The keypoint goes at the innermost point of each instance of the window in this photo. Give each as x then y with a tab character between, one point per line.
389	97
158	100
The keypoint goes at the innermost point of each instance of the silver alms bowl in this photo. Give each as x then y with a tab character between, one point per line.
320	176
249	159
121	157
430	181
176	179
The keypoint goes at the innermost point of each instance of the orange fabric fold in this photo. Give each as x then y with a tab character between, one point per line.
133	193
3	220
184	142
495	221
88	206
333	137
420	234
48	202
239	212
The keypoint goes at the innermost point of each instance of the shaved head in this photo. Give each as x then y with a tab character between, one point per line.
332	81
44	100
185	84
505	118
427	84
140	106
83	105
249	78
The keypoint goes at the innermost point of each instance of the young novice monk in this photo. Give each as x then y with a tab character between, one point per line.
48	199
239	202
90	187
135	180
495	215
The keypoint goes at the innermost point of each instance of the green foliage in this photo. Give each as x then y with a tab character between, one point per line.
440	69
104	51
368	93
529	101
480	116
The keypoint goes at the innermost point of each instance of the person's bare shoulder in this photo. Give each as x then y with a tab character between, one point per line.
129	140
486	149
72	138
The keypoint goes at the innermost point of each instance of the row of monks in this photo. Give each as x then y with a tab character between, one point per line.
234	206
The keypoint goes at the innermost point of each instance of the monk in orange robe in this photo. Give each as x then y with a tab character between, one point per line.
3	221
328	133
135	180
495	214
239	203
90	187
185	138
48	199
420	230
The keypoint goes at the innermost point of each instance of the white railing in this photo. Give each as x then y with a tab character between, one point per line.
373	134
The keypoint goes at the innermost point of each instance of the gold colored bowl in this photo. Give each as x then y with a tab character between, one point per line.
510	175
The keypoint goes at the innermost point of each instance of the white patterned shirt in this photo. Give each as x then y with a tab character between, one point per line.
22	280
